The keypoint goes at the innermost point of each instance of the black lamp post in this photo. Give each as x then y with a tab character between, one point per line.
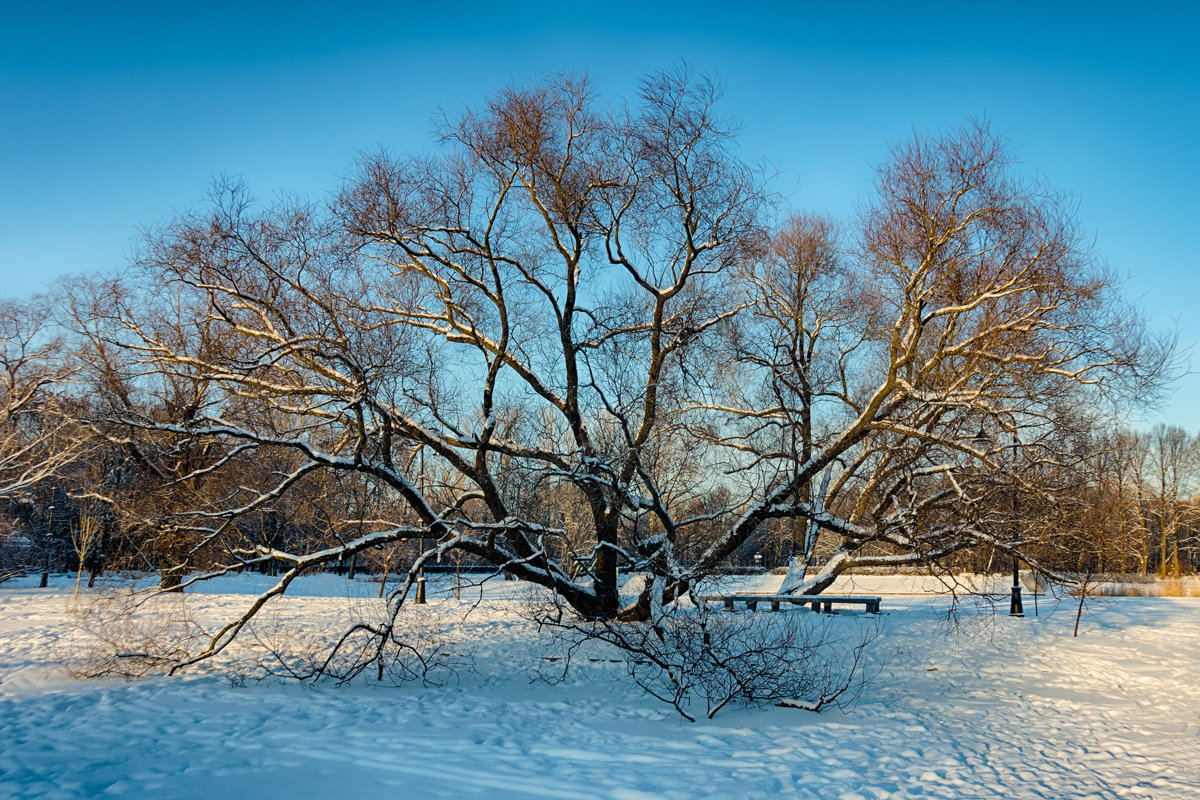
984	442
420	598
1015	607
49	540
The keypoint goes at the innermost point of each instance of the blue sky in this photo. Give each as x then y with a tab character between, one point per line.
114	115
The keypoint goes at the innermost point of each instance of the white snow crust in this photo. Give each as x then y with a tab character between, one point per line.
996	707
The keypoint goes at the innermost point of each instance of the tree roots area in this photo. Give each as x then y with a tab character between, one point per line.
945	697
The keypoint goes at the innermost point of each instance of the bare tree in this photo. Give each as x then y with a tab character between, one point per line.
39	435
571	342
85	535
981	313
1143	501
1174	455
36	439
519	308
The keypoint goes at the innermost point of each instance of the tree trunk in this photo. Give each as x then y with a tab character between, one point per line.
387	562
608	599
821	584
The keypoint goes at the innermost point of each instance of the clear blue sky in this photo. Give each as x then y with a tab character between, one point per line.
113	115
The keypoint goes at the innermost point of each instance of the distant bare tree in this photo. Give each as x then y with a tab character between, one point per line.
1142	500
39	435
36	438
1175	455
85	536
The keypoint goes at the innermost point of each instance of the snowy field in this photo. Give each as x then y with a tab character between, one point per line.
998	708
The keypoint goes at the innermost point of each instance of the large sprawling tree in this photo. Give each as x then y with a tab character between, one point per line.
578	338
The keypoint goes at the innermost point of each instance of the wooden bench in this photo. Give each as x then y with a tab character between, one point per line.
818	602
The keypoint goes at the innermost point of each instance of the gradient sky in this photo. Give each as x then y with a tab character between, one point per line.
115	115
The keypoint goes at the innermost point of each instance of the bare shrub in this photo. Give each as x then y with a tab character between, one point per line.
411	645
692	657
135	634
127	634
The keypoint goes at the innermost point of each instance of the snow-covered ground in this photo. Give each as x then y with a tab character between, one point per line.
1011	708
